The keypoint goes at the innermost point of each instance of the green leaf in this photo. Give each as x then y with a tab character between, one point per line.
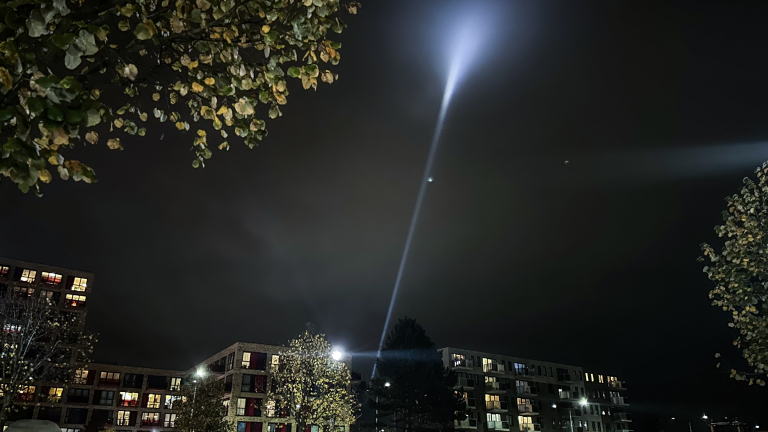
10	20
6	114
36	24
74	116
54	113
92	117
62	40
72	58
294	72
142	32
47	81
36	105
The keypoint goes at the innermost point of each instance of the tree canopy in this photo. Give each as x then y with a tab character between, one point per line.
201	408
39	342
740	273
79	71
413	390
312	388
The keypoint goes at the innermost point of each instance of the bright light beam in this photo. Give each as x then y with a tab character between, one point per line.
467	43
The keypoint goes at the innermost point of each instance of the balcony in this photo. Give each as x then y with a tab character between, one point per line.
465	424
528	409
565	395
462	365
530	427
151	423
495	387
128	403
566	378
466	383
616	385
622	417
527	390
523	372
494	368
496	406
497	425
620	401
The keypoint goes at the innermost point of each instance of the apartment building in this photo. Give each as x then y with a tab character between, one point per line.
506	393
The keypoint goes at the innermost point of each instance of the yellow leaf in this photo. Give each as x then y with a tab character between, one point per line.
53	160
114	144
210	81
5	78
221	110
143	116
179	125
196	87
92	137
265	28
45	176
155	97
223	146
193	64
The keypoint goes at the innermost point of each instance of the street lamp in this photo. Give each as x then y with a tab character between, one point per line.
386	384
704	417
337	354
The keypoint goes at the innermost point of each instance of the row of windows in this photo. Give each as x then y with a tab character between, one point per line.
130	380
249	360
29	276
100	397
494	365
274	427
70	300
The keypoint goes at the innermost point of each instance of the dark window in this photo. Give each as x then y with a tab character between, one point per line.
230	361
133	380
538	369
76	395
228	383
259	360
21	413
50	413
157	382
249	427
550	372
104	397
102	417
248	383
76	415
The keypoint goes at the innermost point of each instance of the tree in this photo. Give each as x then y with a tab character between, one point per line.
40	342
201	408
413	391
71	70
312	388
740	273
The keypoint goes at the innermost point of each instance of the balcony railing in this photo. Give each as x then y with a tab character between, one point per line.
530	427
622	417
494	368
527	390
523	372
129	403
565	394
496	406
151	423
617	385
564	377
495	387
465	424
619	400
498	425
527	409
467	383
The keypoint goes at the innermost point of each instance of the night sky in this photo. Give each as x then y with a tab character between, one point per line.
659	108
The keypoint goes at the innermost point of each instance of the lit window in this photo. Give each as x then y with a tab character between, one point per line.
151	418
109	378
129	399
79	284
170	399
4	270
54	394
28	275
66	429
123	418
492	402
275	360
26	393
459	360
592	377
270	408
24	291
153	400
526	423
170	421
241	406
75	301
246	360
600	378
51	278
81	376
175	384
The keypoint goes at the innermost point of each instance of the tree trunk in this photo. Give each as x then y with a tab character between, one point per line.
4	413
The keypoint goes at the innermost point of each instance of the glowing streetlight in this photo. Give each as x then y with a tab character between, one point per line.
337	354
386	384
200	373
704	417
583	402
554	405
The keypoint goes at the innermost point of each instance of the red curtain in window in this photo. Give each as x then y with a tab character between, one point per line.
260	383
253	427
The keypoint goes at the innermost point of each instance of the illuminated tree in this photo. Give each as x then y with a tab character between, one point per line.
312	388
413	391
740	273
201	408
72	70
40	342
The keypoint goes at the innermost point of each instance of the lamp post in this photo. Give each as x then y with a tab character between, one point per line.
200	373
386	385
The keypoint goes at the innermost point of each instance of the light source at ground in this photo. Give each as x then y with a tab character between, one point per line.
337	354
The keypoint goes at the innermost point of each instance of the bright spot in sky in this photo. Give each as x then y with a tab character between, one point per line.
430	179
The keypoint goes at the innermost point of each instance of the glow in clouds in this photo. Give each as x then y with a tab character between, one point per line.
472	34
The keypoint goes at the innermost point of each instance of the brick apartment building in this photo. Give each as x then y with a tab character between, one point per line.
137	399
506	393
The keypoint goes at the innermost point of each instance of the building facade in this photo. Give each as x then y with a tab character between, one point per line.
137	399
506	393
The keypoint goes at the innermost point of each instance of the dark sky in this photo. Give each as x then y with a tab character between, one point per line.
659	107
